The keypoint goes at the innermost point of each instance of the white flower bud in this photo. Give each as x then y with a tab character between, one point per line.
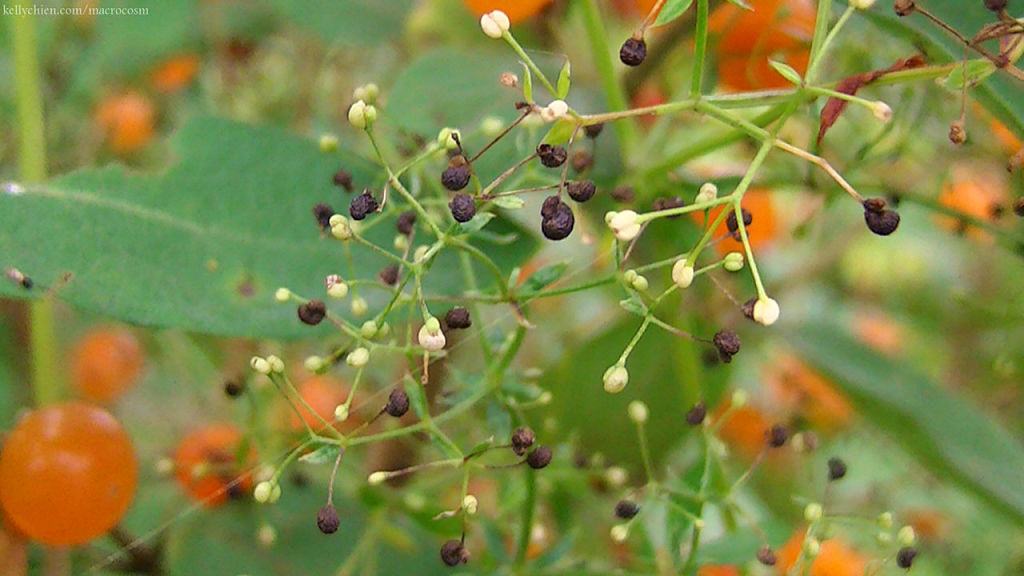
883	538
341	412
328	143
336	287
862	4
266	535
609	215
314	364
624	225
884	520
358	357
164	467
377	478
339	227
555	110
367	92
359	306
620	532
637	411
813	512
282	295
733	262
615	379
276	364
640	283
470	504
357	114
369	329
616	476
812	547
906	536
682	273
432	324
881	111
766	311
431	341
262	492
260	365
739	399
420	254
491	126
495	24
401	242
446	138
708	192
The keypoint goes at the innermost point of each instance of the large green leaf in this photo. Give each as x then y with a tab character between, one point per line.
956	439
204	245
1000	93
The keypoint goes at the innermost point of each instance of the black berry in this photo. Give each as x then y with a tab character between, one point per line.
626	509
836	469
748	308
234	388
406	222
995	5
323	213
398	403
457	318
581	160
882	223
456	176
766	556
539	458
327	519
552	156
343	178
522	439
389	275
623	193
733	225
776	436
557	219
453	553
905	557
668	203
312	312
633	51
362	205
727	343
695	416
593	130
463	207
581	190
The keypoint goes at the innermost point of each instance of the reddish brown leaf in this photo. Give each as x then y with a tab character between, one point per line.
850	85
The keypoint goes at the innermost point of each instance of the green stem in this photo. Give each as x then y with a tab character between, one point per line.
525	530
613	93
530	63
820	51
700	50
818	40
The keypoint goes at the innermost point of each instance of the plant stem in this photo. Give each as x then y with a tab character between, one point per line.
526	528
700	50
613	93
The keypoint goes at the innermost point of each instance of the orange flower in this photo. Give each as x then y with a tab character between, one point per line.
175	74
744	429
323	394
517	10
762	229
796	384
835	558
880	332
776	29
974	193
718	570
127	121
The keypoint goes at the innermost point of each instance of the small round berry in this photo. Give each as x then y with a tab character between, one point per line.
539	458
522	439
453	552
836	469
733	225
322	213
668	203
362	205
457	318
343	178
581	190
312	312
995	5
557	219
581	160
552	156
903	7
777	436
626	509
389	275
398	403
456	176
406	222
463	207
633	51
766	556
695	416
727	343
327	519
233	388
882	223
905	557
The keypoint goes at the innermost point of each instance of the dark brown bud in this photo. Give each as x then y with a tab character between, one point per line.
904	7
727	343
406	222
389	275
766	556
905	557
836	469
463	207
398	403
581	160
995	5
776	436
633	51
343	178
552	156
593	130
581	190
522	439
312	312
362	205
327	519
626	509
453	553
456	176
322	213
539	458
733	225
695	416
457	318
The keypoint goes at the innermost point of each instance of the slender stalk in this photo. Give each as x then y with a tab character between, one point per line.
700	48
526	528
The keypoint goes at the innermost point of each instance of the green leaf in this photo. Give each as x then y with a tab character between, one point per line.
527	83
560	132
417	399
325	454
352	22
632	306
787	71
509	202
956	439
671	10
564	81
544	276
476	223
977	70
